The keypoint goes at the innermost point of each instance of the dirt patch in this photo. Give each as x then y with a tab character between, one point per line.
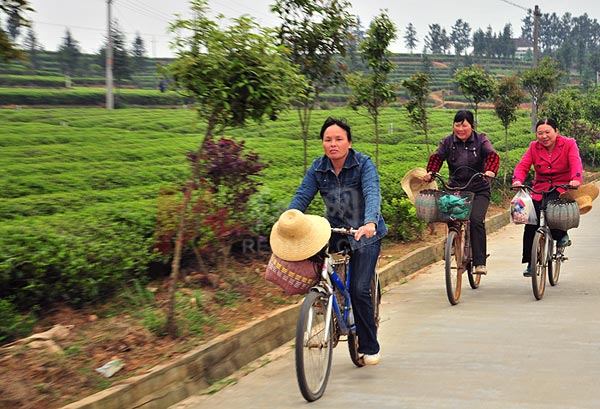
59	366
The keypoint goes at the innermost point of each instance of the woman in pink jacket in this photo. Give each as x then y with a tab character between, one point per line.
555	160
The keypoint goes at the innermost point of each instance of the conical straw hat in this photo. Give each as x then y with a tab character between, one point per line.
583	195
413	183
297	236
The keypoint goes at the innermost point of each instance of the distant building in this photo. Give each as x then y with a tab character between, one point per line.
523	48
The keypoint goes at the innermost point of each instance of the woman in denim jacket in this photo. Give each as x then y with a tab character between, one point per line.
348	182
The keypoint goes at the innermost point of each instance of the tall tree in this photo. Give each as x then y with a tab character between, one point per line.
539	81
436	40
138	52
460	36
122	67
14	25
417	87
316	33
11	9
509	96
410	37
236	74
479	46
32	47
69	54
353	59
476	85
374	91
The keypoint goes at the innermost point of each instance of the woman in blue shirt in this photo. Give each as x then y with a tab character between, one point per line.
348	182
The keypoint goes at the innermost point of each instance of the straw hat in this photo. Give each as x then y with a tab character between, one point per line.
297	236
413	183
583	195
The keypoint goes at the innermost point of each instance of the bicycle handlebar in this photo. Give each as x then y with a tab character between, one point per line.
541	192
344	230
446	187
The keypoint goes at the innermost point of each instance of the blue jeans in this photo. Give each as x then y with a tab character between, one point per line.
362	268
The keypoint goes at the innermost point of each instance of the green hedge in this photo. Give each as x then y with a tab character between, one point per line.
86	97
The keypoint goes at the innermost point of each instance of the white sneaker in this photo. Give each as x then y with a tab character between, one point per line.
371	359
480	270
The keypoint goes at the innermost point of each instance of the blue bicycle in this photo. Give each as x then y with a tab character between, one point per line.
325	317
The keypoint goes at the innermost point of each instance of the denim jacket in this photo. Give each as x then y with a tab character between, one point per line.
352	198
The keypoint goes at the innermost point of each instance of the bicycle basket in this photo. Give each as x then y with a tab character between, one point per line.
294	277
562	214
455	205
426	204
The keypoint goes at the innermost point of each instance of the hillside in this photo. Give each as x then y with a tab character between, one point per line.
19	78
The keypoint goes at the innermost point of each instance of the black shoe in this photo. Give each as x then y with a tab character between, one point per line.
527	272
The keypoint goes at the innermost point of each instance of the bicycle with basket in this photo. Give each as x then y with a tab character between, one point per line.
452	205
325	318
546	256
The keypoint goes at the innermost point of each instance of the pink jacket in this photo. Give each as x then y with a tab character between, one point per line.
561	167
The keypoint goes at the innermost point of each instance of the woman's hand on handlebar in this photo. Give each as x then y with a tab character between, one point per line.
488	174
428	177
368	230
575	184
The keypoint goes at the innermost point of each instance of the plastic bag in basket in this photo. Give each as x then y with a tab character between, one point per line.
456	207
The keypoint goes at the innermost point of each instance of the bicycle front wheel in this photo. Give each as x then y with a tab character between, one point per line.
557	258
540	252
314	346
454	253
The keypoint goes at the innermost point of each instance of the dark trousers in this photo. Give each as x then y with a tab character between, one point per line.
362	268
530	230
481	202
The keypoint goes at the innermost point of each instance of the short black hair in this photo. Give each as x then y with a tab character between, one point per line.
335	121
547	121
464	114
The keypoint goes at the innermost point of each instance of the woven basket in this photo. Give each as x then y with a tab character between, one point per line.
439	206
294	277
426	205
562	214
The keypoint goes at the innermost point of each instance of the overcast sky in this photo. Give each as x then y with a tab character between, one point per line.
86	19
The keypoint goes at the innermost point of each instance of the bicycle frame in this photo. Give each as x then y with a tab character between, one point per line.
330	281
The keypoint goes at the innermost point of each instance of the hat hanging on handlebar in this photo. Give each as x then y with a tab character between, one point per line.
297	236
583	195
413	183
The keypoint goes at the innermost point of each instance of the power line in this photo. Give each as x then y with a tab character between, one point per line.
516	5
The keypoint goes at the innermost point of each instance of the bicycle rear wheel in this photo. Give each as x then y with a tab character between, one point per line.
539	263
557	258
454	253
313	347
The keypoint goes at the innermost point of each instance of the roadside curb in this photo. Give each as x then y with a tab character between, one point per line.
165	385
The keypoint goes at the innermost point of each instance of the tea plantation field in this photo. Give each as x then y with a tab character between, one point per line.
79	187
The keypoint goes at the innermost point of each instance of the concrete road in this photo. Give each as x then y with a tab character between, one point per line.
498	348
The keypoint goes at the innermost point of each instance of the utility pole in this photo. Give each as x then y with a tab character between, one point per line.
109	59
536	23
